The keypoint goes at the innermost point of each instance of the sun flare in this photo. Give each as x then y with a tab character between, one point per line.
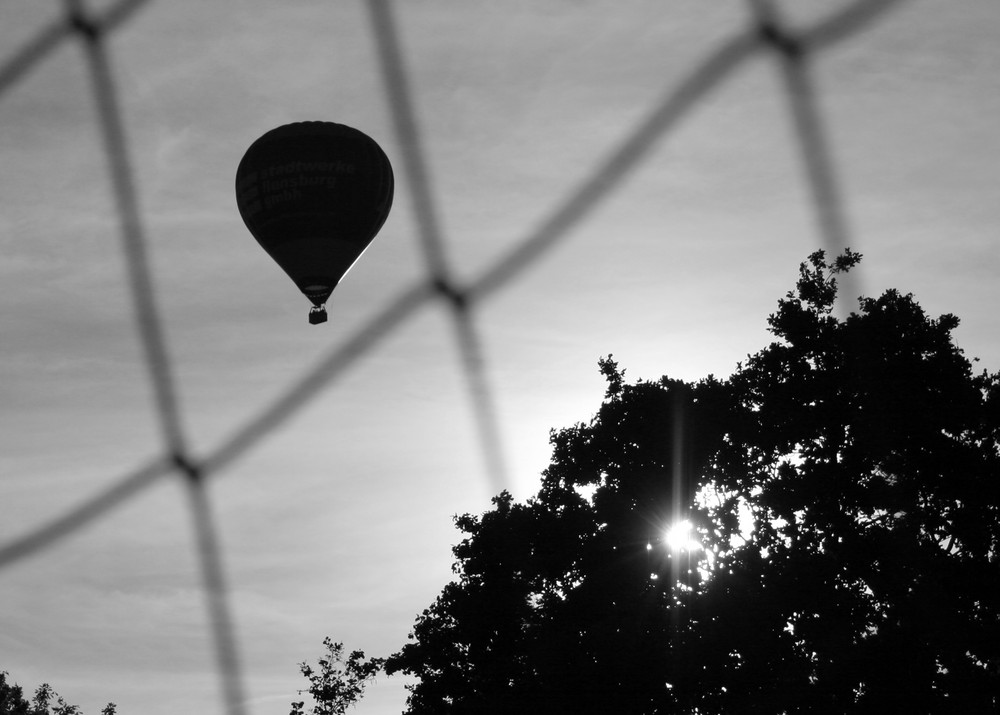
679	537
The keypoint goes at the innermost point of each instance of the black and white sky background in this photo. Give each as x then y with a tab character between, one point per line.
340	523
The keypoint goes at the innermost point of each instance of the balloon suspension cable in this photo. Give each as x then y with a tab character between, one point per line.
317	314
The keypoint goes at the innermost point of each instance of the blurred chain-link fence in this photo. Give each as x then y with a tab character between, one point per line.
794	54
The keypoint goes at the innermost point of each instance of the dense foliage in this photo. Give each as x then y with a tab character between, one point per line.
843	486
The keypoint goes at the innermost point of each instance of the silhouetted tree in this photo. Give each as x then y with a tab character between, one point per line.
12	700
561	606
339	682
864	453
844	485
44	702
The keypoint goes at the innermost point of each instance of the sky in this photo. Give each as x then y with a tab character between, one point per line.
339	522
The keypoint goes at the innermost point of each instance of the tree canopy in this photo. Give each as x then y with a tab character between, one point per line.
843	505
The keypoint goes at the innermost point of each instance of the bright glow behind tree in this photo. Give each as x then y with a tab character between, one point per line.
679	538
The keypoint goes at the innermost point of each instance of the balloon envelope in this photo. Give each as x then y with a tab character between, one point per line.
314	194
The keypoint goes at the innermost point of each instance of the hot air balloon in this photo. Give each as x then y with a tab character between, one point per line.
314	194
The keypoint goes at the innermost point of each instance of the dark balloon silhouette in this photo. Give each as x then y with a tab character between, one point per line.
314	195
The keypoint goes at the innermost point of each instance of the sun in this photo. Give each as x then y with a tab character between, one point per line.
679	538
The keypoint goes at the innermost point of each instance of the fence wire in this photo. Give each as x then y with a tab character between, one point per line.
795	51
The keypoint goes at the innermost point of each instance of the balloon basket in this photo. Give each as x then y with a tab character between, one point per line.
317	315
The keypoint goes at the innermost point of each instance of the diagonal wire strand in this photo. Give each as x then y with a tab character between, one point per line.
216	598
814	149
132	232
112	17
483	402
613	169
85	513
307	388
22	61
846	23
794	57
397	86
150	328
629	153
34	51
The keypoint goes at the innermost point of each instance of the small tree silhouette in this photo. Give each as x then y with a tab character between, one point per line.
338	683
